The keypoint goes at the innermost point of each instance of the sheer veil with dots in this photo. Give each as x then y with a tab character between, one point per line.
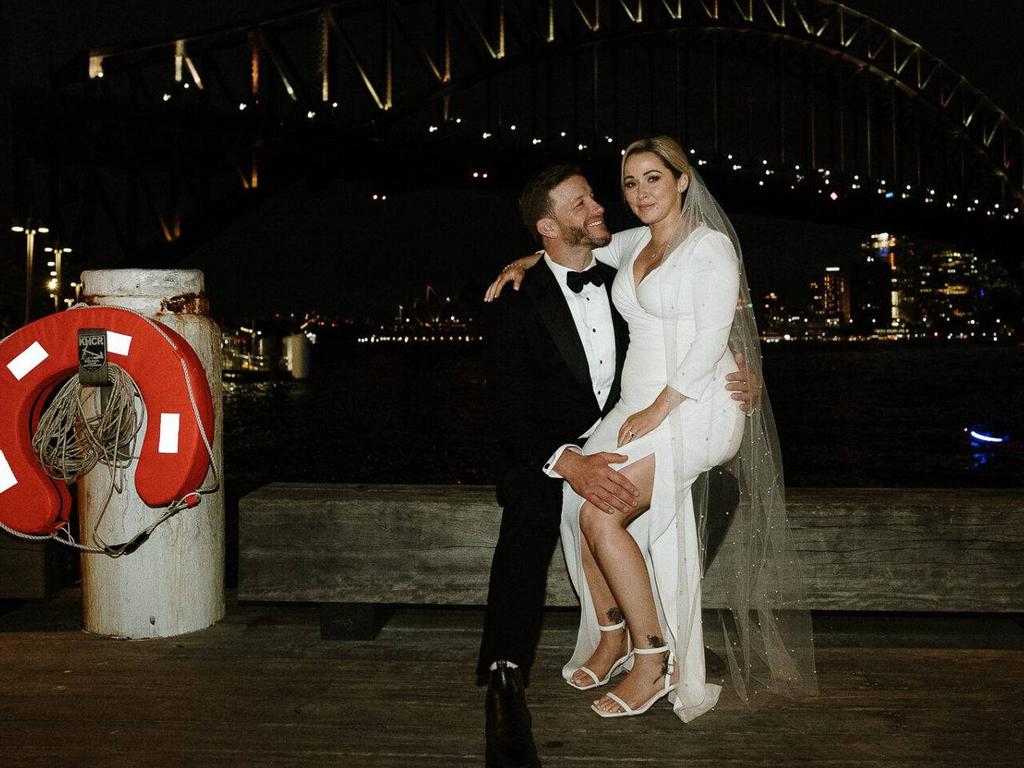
752	581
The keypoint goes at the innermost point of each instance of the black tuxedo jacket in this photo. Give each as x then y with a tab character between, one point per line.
538	378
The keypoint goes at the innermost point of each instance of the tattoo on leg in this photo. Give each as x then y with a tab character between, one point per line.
657	642
614	614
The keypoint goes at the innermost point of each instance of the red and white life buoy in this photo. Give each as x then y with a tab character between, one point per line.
41	356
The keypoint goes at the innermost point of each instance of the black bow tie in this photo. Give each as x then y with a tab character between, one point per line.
576	280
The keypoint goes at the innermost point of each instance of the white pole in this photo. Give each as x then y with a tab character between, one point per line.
174	583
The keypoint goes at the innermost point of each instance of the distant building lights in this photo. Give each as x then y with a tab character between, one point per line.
536	141
167	97
241	106
562	134
485	135
833	196
512	127
432	129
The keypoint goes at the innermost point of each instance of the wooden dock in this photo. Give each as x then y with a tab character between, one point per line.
263	688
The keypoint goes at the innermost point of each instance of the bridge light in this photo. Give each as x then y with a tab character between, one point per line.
241	106
432	129
512	127
458	120
764	162
485	135
581	147
954	197
167	97
562	134
608	139
536	141
334	105
311	114
760	183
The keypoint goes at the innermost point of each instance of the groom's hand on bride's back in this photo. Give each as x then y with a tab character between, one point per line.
745	385
592	478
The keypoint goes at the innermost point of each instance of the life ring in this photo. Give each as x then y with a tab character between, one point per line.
38	358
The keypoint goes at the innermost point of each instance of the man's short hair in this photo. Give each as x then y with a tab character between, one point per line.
535	200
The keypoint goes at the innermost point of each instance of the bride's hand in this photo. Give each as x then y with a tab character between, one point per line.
514	273
650	418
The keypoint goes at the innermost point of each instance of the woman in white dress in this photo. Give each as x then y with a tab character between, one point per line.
680	287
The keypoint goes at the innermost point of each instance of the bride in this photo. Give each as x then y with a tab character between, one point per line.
681	288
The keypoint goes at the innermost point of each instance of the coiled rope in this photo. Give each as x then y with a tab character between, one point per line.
69	443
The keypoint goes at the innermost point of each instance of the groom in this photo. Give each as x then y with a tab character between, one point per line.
554	357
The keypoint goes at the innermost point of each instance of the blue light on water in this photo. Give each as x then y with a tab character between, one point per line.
889	195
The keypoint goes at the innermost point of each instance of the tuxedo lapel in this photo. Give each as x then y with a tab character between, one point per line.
547	297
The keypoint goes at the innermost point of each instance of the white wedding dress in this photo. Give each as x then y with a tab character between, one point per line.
681	313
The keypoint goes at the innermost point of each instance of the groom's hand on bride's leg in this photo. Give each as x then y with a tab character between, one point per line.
593	479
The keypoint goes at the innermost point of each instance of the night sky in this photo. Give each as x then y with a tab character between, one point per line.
328	248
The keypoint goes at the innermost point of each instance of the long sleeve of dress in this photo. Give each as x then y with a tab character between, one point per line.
622	246
715	286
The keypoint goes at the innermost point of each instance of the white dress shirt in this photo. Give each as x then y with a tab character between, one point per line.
592	313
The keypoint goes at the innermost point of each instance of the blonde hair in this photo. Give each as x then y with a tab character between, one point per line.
667	150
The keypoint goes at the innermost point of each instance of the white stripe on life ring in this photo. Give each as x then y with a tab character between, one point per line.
169	424
7	478
118	343
26	362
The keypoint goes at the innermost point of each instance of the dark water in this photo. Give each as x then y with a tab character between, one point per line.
848	415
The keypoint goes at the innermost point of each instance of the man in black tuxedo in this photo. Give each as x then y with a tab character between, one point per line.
555	352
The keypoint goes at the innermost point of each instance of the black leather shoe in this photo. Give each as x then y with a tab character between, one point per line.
509	738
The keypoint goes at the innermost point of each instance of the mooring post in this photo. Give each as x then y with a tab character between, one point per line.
174	582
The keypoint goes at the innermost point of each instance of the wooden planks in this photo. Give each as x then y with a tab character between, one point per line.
861	549
263	689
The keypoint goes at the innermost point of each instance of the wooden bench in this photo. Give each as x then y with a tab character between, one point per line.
861	549
29	569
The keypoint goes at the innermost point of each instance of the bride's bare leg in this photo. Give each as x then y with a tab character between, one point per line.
612	645
621	563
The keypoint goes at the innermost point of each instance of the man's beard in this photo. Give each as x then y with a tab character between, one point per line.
581	236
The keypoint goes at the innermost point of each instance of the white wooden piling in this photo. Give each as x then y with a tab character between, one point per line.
174	583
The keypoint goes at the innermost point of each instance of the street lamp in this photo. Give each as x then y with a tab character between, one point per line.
30	229
58	252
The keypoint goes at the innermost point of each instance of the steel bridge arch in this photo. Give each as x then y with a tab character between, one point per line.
401	68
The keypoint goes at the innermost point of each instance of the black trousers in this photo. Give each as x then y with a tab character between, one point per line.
530	518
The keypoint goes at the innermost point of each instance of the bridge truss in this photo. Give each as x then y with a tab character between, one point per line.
807	98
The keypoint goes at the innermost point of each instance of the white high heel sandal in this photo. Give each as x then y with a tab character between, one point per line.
617	667
667	687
